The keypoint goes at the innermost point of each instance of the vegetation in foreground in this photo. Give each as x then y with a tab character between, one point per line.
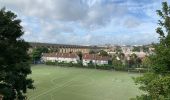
70	83
157	82
14	65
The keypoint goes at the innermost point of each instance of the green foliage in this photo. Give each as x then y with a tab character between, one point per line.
79	64
118	50
37	53
143	97
161	61
64	64
145	48
92	52
118	64
51	49
91	65
136	49
50	63
14	65
80	55
157	82
103	53
134	61
139	48
156	86
146	62
105	67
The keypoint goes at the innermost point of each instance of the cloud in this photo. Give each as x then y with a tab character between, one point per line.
88	13
100	14
131	22
87	21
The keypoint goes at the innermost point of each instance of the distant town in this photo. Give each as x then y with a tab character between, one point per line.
126	55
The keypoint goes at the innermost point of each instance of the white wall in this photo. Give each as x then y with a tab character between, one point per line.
59	59
98	62
85	62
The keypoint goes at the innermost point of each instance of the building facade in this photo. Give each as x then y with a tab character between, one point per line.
95	59
60	57
63	48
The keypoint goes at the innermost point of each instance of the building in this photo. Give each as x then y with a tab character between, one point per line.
65	48
126	49
138	54
60	57
95	59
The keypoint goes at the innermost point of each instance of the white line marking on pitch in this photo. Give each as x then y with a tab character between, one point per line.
60	86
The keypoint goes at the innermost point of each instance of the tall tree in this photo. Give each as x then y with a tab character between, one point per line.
157	82
37	53
14	65
146	63
117	63
79	53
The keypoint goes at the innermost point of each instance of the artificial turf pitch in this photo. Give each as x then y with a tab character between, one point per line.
69	83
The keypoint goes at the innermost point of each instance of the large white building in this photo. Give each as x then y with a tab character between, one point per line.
95	59
60	57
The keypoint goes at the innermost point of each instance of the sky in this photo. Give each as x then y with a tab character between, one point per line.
87	22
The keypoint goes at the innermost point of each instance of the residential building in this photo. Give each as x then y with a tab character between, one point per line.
138	54
95	59
60	57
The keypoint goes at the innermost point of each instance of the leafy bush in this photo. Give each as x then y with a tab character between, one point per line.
49	63
156	83
79	64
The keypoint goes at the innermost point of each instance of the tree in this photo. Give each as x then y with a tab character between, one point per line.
118	50
51	49
157	82
121	55
79	53
146	63
92	52
103	53
43	49
37	53
135	61
136	48
145	49
14	60
117	63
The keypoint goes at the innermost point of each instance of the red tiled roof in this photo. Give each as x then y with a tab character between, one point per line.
95	57
62	55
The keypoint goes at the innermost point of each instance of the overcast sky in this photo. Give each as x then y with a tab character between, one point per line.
87	22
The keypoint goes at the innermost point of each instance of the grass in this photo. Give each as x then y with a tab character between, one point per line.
69	83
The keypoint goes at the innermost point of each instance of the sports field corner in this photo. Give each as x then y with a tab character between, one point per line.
69	83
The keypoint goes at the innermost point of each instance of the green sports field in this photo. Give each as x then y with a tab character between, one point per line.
69	83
